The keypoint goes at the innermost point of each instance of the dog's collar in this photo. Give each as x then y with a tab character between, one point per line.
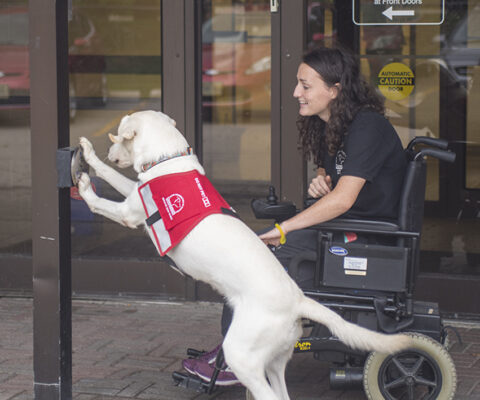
147	166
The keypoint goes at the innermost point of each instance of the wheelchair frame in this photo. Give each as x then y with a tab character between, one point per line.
380	298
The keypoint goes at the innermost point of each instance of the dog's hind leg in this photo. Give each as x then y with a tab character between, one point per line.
249	371
245	355
282	351
276	374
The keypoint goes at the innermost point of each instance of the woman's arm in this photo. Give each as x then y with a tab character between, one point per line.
330	206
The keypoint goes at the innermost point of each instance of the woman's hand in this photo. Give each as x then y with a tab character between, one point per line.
320	186
271	237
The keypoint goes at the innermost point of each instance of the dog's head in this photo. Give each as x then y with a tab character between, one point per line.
145	137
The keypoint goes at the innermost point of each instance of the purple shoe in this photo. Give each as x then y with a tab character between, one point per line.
209	356
205	371
189	365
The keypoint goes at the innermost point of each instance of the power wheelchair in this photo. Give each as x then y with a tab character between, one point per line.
372	285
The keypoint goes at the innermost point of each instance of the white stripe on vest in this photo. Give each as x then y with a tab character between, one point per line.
158	228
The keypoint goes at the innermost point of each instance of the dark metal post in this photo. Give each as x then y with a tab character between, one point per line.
276	100
173	61
52	333
181	78
293	16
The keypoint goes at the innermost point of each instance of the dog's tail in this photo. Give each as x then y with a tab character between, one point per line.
353	335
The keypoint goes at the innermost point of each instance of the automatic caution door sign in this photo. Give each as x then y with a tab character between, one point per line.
398	12
396	81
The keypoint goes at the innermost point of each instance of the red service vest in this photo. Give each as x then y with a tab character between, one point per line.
176	203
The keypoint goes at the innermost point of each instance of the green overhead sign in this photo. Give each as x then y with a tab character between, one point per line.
398	12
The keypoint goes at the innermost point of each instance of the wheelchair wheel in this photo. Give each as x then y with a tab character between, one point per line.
249	395
425	371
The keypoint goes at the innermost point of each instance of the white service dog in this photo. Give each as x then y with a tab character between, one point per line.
223	252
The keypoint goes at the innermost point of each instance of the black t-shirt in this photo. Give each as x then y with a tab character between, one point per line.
372	150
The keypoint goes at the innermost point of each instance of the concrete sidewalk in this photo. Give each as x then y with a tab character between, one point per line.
129	349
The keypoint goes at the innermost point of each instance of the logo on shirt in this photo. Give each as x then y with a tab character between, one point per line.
339	160
173	204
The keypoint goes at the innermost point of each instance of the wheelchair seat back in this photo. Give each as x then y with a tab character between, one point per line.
411	206
382	266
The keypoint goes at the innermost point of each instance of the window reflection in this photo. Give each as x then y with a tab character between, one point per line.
445	62
114	69
471	72
321	24
15	179
236	64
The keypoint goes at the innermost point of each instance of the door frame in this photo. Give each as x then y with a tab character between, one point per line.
288	38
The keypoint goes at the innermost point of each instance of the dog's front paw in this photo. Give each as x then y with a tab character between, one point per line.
84	184
87	147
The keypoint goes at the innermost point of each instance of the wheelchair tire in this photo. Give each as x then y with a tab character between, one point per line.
424	371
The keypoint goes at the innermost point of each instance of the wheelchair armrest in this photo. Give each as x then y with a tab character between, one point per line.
364	226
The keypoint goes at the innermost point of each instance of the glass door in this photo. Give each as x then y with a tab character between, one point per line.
114	69
439	99
236	82
15	180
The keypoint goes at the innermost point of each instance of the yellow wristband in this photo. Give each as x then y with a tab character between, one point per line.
283	239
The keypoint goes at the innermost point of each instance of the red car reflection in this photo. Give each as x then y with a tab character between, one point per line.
236	63
14	68
14	61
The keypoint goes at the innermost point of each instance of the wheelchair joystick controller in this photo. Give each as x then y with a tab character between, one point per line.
272	198
271	208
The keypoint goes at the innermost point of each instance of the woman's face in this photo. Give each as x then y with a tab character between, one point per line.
313	94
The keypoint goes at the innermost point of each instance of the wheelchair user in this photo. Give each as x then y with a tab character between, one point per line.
360	158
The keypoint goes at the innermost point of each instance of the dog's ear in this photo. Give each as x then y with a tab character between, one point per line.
125	130
115	139
128	133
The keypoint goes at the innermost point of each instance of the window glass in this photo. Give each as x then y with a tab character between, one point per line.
236	57
450	243
114	69
15	162
471	46
439	60
321	32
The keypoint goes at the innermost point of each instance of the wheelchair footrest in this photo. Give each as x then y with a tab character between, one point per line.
191	382
194	353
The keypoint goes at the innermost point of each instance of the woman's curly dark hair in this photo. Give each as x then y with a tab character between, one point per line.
335	65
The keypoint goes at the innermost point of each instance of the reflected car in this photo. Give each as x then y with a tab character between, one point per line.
458	57
460	50
14	61
236	60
